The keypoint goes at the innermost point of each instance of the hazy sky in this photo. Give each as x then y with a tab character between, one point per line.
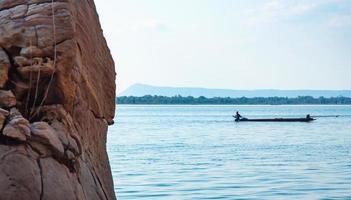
236	44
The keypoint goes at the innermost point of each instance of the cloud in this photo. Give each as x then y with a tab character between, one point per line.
154	25
141	25
340	21
281	10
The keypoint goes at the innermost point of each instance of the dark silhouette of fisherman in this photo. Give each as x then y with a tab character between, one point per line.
237	116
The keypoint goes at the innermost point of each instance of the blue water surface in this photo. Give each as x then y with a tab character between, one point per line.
199	152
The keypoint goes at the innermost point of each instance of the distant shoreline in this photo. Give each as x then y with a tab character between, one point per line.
125	104
179	100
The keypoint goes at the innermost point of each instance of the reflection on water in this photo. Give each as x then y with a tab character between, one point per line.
198	152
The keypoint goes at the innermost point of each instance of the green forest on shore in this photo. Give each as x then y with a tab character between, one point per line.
189	100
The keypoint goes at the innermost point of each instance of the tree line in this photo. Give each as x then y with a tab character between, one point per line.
189	100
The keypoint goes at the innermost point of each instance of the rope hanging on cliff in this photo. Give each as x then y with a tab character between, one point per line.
30	82
29	93
36	92
54	61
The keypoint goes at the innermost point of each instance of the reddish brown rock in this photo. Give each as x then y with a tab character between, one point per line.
31	52
21	61
37	68
66	139
65	186
7	98
4	67
21	88
15	132
43	133
18	127
3	115
20	176
60	71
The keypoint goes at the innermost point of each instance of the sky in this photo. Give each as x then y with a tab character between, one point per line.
230	44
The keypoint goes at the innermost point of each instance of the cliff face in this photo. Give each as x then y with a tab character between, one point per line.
57	91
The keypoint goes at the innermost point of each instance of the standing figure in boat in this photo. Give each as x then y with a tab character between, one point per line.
237	116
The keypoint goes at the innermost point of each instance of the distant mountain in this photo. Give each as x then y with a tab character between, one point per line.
142	89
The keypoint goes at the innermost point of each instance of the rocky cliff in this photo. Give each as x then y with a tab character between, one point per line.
57	90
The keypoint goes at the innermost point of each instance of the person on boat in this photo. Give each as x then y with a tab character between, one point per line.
237	116
308	116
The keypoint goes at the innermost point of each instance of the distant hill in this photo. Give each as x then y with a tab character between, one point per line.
179	100
139	90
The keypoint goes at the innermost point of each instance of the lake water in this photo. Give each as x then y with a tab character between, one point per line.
199	152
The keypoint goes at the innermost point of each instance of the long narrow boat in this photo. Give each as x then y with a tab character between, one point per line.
277	120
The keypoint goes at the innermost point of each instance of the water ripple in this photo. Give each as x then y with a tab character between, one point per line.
199	153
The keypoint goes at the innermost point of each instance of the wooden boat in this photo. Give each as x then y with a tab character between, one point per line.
276	120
